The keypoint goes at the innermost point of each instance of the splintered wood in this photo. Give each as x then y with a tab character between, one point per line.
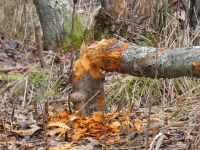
105	55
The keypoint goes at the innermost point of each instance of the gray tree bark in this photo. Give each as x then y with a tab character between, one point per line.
52	22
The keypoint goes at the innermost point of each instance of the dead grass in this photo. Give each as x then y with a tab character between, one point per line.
17	17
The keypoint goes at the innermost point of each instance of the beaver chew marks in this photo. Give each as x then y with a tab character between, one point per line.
83	65
106	54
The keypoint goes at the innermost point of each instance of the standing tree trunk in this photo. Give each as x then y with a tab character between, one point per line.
195	13
194	19
114	55
52	21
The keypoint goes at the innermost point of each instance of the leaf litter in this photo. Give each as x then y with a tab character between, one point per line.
26	127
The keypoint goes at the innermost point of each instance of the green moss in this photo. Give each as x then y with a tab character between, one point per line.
78	34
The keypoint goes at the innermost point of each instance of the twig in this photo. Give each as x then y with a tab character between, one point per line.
159	138
149	117
72	49
45	119
150	102
39	42
185	24
10	69
25	92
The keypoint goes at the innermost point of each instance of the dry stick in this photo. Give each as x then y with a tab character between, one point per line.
150	103
185	25
39	43
159	138
149	117
45	119
25	92
72	49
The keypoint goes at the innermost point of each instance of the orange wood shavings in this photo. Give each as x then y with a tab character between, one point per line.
106	54
98	125
63	116
196	67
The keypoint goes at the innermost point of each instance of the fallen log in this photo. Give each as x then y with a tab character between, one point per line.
114	55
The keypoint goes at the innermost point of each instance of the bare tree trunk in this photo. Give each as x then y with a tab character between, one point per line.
195	13
114	55
52	21
195	19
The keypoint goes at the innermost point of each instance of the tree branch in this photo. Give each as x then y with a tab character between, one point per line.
114	55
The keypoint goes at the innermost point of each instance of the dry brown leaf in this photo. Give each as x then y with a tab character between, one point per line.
56	131
138	125
116	123
62	147
26	132
58	124
112	115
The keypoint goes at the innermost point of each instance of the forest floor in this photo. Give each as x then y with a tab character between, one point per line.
34	111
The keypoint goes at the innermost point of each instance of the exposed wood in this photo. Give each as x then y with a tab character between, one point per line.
114	55
87	82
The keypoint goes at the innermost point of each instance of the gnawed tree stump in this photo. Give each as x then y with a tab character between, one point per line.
88	95
114	55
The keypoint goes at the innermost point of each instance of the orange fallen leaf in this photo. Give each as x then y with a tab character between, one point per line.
138	125
78	133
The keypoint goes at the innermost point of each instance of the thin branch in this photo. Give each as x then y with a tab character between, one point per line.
39	42
72	49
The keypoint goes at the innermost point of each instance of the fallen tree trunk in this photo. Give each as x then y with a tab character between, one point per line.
114	55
